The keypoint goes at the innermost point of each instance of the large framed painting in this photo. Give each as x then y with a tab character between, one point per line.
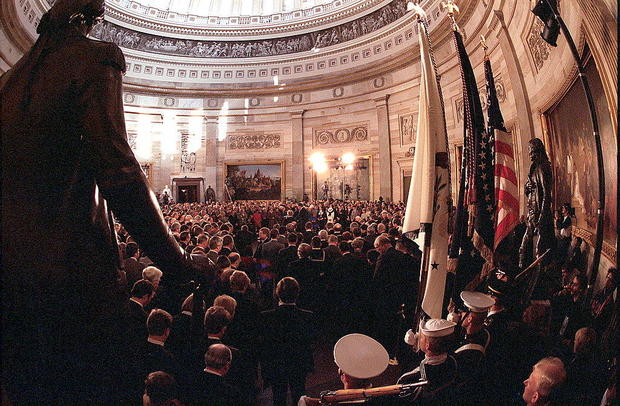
573	155
254	180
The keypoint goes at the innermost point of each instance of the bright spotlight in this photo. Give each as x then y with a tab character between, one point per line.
348	158
320	167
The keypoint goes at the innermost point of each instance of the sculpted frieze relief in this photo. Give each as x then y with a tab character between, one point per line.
127	38
501	97
256	141
340	135
408	125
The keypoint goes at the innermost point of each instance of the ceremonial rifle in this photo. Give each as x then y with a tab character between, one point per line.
359	395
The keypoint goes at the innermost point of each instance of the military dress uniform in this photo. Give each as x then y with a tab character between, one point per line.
470	353
440	371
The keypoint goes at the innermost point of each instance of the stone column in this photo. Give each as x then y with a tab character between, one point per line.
522	101
211	178
297	154
385	148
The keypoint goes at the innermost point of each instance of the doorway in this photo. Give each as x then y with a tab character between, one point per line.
187	190
187	194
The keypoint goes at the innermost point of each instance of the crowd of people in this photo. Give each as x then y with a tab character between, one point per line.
277	279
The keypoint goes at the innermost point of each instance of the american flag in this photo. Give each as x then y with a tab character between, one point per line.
505	179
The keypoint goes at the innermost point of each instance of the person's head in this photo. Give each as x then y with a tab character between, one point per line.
537	316
142	291
235	259
292	239
536	150
159	389
344	246
578	285
273	234
304	250
153	275
159	323
566	209
435	336
382	244
81	15
239	282
545	379
308	226
222	262
215	243
227	302
216	321
188	304
202	241
611	280
287	290
132	250
218	358
323	234
585	341
315	242
332	240
263	233
357	244
185	237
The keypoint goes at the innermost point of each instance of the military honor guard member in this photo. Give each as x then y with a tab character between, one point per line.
359	358
470	353
438	367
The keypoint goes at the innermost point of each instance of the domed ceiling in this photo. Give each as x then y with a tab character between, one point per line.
205	44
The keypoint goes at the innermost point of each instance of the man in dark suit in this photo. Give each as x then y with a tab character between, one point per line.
211	387
350	282
288	254
133	268
308	232
308	274
287	336
244	239
142	293
154	356
332	252
215	245
228	245
271	248
395	281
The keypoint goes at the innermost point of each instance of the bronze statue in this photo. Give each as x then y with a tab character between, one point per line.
539	217
66	165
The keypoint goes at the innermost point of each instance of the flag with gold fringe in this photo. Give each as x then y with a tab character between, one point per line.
429	201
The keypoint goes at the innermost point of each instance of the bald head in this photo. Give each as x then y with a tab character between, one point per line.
218	358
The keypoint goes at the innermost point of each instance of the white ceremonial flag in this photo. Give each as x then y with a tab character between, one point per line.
429	193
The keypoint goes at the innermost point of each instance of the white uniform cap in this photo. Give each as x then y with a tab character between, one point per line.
477	302
360	356
437	327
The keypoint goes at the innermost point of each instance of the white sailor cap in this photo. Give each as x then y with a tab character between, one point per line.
477	302
437	327
360	356
410	337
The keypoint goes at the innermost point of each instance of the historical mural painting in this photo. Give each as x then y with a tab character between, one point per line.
574	156
254	181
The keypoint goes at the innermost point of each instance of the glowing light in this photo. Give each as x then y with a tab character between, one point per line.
144	139
222	122
348	158
318	162
348	167
276	80
275	99
410	6
169	134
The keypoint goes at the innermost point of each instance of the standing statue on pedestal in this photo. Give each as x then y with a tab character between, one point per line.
325	189
210	194
539	216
